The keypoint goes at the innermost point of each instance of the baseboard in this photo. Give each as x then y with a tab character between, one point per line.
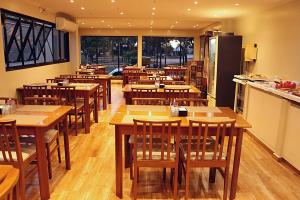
278	158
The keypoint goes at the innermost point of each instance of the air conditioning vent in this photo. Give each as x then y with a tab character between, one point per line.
65	25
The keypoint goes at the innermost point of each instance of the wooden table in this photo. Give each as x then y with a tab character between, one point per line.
123	121
37	120
85	90
167	78
178	71
92	70
128	94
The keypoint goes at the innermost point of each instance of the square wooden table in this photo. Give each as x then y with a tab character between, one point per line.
123	122
128	94
84	90
37	120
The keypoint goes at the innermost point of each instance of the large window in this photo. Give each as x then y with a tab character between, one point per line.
112	52
162	51
30	42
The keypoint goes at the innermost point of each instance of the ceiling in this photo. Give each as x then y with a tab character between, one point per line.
153	14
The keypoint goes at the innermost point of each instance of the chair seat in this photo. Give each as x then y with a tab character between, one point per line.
49	137
79	106
209	153
27	151
81	101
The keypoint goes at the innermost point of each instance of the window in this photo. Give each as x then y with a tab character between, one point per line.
30	42
112	52
162	51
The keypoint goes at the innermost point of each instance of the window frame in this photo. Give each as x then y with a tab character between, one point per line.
23	42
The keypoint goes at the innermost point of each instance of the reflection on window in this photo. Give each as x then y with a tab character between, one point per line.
162	51
32	42
112	52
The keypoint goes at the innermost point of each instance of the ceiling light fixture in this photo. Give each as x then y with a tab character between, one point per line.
121	13
113	1
82	8
153	13
72	1
189	9
92	27
176	22
237	4
102	21
195	2
82	23
153	8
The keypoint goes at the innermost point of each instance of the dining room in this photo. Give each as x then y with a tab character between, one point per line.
151	99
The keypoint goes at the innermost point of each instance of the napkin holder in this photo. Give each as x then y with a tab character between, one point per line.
182	112
161	85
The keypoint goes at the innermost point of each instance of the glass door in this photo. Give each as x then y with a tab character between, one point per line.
212	67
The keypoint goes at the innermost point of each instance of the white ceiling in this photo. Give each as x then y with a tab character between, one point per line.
168	14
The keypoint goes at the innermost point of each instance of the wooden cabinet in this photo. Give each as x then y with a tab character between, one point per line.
196	76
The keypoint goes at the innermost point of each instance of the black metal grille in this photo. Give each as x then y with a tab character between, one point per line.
31	42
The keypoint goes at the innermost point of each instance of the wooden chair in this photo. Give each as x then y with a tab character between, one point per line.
192	102
13	153
160	78
34	91
172	94
67	96
148	101
4	100
51	136
198	152
68	76
143	92
9	187
148	152
133	79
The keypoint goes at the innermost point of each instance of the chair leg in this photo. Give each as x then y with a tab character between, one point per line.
179	173
58	150
175	182
212	175
70	121
76	124
164	174
131	161
187	182
22	184
226	183
48	154
135	182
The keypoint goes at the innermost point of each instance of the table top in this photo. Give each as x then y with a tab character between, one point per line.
128	87
78	86
36	115
126	113
183	68
99	76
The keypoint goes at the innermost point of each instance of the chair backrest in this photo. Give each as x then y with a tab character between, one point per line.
9	185
42	101
133	79
205	151
143	92
10	149
148	101
158	137
65	94
171	94
54	80
4	100
68	76
35	91
192	102
146	82
160	78
83	80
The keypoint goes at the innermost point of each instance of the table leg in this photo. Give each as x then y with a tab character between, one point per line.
87	113
42	164
95	107
127	150
118	159
104	96
236	163
66	143
109	90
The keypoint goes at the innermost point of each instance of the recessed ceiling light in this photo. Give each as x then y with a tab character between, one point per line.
113	1
153	8
153	13
195	2
92	27
82	8
237	4
121	13
82	23
72	1
189	9
176	22
102	21
108	25
215	15
151	27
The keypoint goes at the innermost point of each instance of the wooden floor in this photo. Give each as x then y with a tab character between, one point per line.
93	171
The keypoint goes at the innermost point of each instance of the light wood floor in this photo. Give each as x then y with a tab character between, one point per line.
93	172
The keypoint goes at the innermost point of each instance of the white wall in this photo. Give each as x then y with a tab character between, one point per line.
10	80
276	32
